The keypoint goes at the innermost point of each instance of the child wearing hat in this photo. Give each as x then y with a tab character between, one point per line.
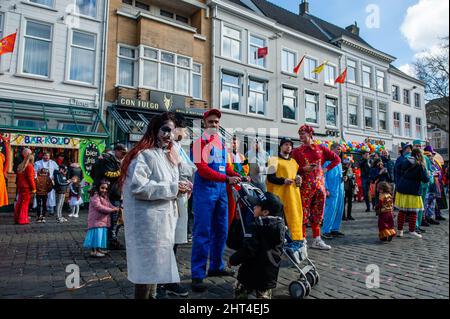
260	254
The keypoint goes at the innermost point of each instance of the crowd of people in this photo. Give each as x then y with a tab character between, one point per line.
148	191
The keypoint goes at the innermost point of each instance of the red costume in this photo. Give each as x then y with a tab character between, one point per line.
25	187
359	195
313	184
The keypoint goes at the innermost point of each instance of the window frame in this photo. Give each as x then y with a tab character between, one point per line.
357	110
370	76
307	58
420	127
398	93
293	52
377	77
136	72
249	45
356	71
52	6
201	80
409	97
239	86
385	112
334	67
336	111
23	45
417	100
296	102
317	94
223	36
264	92
85	15
373	113
405	123
395	120
69	56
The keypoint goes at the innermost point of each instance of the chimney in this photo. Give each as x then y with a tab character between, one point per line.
304	7
353	29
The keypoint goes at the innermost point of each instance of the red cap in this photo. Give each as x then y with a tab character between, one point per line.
212	112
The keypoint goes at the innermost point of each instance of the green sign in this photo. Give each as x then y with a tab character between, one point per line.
90	150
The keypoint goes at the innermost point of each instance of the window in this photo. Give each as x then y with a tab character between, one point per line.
382	116
37	51
127	60
170	72
396	93
367	76
130	2
182	19
418	127
380	81
330	74
397	130
288	61
231	91
257	96
406	97
82	57
312	108
331	106
310	65
141	5
368	113
231	43
48	3
197	81
408	125
417	100
351	71
74	127
166	14
1	25
255	44
87	7
437	139
289	103
31	123
353	110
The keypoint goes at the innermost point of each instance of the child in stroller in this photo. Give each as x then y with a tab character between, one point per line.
260	237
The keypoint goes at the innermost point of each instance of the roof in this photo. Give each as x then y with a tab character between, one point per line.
442	101
404	75
238	2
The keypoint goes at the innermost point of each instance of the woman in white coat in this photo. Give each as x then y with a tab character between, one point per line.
151	185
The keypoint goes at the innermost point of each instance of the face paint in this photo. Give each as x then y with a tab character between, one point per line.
165	136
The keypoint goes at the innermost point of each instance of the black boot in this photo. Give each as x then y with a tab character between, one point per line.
141	291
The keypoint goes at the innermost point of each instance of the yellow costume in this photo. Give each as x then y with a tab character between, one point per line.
289	194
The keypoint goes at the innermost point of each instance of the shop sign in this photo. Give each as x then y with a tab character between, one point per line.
90	150
45	141
141	104
82	103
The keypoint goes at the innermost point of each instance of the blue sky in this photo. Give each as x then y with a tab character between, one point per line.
387	38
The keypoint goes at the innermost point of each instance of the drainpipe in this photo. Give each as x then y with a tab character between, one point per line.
103	57
213	55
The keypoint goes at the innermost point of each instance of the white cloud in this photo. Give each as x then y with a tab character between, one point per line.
408	69
425	23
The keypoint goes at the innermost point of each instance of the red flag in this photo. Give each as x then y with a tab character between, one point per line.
297	68
262	52
7	43
341	78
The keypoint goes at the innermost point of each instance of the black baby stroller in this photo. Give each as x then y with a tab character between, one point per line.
243	194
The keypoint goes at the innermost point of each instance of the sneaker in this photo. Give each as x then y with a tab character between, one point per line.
198	285
351	218
337	234
75	216
97	254
303	252
59	220
415	234
400	233
70	215
441	218
221	273
368	210
39	220
43	220
425	224
327	236
318	243
176	289
189	238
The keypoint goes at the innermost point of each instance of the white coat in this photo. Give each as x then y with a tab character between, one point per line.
187	170
51	166
150	217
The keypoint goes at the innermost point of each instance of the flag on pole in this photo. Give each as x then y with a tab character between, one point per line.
341	78
7	43
262	53
320	68
297	68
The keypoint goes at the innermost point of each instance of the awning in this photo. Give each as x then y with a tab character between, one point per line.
46	118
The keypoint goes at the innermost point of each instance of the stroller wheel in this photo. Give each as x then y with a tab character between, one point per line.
297	290
316	274
311	277
308	287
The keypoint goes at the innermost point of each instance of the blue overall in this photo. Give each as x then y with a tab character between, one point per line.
210	206
334	205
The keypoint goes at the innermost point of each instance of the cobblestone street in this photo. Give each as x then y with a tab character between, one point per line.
33	259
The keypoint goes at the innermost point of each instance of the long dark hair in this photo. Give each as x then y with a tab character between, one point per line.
149	141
